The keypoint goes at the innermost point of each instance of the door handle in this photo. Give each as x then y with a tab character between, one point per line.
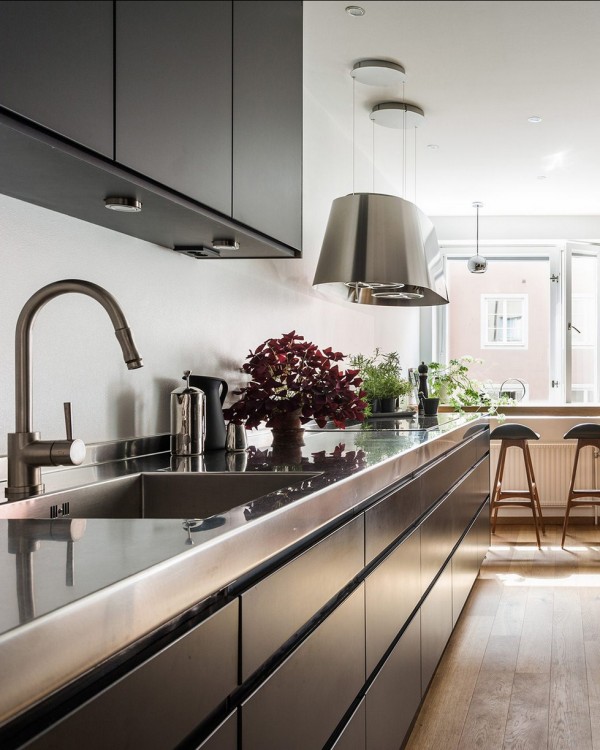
571	326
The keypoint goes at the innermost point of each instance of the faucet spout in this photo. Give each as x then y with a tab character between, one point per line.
23	394
27	453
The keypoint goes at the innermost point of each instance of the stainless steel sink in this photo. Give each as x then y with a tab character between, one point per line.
156	495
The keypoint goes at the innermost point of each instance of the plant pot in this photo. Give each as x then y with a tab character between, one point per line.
375	406
430	406
388	405
290	433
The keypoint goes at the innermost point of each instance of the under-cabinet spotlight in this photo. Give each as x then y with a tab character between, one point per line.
125	205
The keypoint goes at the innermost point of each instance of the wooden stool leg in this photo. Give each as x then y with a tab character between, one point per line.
570	495
497	486
533	487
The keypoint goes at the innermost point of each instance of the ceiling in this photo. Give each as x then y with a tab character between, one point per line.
479	70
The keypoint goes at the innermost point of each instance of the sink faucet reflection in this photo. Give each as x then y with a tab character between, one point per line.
26	452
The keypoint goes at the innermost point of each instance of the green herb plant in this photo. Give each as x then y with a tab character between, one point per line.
381	375
453	385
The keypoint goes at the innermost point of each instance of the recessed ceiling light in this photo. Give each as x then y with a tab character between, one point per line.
355	10
534	118
432	146
125	205
541	177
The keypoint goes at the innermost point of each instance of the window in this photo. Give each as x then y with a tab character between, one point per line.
532	318
504	320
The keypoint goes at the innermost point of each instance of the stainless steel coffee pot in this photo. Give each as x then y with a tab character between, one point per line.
188	419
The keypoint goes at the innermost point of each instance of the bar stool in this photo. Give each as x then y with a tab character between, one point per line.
587	434
516	436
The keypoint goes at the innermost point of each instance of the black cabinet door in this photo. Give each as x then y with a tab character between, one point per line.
162	700
267	118
299	706
56	68
394	696
173	96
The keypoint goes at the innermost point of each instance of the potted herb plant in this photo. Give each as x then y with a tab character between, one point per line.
452	384
382	380
293	381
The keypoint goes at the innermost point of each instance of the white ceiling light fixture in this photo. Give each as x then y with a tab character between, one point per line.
378	72
381	249
477	263
534	119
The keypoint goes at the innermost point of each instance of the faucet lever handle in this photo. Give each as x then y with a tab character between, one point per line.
68	420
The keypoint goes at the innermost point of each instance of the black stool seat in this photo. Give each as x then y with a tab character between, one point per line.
513	431
586	431
587	435
515	435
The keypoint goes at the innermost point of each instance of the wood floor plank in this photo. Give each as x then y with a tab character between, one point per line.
527	721
592	661
570	725
535	647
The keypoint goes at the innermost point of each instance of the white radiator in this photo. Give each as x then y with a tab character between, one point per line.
552	466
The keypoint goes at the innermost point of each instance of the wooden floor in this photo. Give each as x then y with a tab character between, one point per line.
522	669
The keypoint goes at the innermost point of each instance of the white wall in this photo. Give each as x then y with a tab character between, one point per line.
202	315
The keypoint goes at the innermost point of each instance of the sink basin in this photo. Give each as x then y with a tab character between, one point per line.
156	495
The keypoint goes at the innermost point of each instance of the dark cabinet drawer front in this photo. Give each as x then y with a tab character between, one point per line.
394	696
442	529
392	592
465	567
353	734
301	703
443	474
277	606
436	625
158	704
484	531
224	737
390	517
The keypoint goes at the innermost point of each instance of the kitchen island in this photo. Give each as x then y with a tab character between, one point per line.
219	631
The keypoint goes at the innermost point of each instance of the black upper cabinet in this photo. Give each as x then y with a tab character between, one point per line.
56	68
267	118
173	96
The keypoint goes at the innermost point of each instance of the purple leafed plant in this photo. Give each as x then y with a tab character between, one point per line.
290	375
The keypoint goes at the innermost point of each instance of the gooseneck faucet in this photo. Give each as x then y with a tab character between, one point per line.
26	452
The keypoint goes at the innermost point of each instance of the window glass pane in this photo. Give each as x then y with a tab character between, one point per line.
512	344
584	329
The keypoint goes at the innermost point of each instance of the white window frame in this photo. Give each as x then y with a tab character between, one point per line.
485	342
434	320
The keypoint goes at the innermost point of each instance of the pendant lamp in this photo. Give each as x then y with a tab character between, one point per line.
381	249
477	263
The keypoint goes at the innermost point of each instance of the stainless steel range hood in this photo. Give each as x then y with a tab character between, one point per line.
381	250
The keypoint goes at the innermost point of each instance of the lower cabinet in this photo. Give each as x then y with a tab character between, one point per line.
395	695
332	651
299	706
436	625
163	700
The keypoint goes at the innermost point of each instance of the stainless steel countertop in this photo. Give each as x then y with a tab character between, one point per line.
132	575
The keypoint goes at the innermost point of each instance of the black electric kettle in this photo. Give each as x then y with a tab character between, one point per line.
215	390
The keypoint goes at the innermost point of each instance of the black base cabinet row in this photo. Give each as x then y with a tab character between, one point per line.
334	649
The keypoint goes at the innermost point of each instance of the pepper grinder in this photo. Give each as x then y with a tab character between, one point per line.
423	392
188	419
